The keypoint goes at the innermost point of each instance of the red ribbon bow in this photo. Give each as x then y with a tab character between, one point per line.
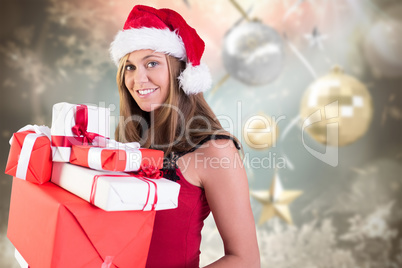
82	136
150	172
81	124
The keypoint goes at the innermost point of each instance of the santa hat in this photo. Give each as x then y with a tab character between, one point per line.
164	30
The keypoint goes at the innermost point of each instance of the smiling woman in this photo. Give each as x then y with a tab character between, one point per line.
161	83
166	101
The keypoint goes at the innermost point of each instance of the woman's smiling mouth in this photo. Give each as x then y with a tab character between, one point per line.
147	91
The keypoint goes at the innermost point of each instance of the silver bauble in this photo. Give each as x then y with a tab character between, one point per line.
253	53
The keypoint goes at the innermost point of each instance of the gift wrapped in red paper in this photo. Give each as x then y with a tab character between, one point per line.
51	227
115	159
30	156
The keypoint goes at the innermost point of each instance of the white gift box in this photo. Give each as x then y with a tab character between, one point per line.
64	119
116	191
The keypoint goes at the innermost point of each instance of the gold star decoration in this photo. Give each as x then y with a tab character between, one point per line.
275	201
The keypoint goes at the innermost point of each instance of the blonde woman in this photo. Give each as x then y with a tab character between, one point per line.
161	83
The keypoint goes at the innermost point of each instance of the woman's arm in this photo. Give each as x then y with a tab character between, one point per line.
224	179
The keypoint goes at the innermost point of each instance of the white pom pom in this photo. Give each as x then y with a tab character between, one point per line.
195	79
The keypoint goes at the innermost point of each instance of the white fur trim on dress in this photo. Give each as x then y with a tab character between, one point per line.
160	40
195	79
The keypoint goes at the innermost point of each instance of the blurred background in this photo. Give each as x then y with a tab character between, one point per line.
312	88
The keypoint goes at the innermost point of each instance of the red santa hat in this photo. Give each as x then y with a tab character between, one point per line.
164	30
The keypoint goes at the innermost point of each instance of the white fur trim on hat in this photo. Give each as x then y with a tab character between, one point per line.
195	79
160	40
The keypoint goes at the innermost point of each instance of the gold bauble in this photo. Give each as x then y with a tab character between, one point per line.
260	131
337	104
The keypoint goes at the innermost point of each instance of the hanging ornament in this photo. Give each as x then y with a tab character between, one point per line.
336	109
253	53
383	44
275	201
260	132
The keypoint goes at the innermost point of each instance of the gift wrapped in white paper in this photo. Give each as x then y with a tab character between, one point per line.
116	191
89	122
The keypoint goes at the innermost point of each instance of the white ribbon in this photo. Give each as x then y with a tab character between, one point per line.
40	130
133	160
27	146
20	259
25	155
108	262
94	158
109	143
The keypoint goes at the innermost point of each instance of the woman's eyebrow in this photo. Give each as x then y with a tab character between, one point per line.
146	57
150	56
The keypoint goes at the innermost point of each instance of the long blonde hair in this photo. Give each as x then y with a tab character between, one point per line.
177	126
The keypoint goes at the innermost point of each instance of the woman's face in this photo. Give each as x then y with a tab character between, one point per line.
147	78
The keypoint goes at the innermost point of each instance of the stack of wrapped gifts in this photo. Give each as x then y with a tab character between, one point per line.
80	199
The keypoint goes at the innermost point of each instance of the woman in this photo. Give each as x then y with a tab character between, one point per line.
161	80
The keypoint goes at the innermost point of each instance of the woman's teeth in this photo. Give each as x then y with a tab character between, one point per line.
146	91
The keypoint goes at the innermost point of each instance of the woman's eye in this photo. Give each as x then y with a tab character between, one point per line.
152	64
130	67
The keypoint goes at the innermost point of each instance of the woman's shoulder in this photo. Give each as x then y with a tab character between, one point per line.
217	141
214	156
218	148
214	147
219	158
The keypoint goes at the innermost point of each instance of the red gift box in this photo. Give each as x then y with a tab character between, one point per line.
30	157
114	159
51	227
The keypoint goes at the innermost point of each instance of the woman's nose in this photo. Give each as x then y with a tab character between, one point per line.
140	76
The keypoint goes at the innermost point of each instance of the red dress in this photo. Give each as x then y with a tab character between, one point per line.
176	238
